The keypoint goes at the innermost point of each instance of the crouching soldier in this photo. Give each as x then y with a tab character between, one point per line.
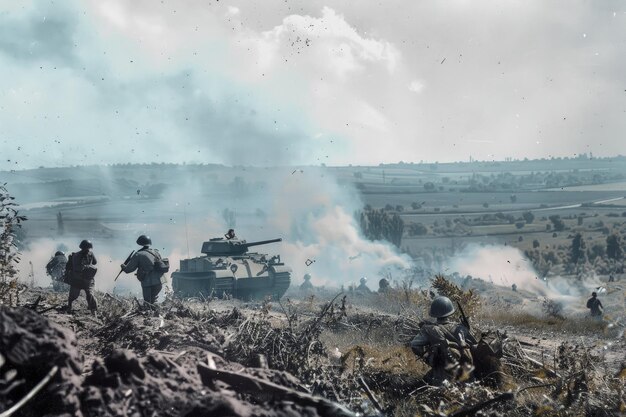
150	267
80	274
444	345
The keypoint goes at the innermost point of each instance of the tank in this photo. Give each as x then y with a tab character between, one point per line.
228	269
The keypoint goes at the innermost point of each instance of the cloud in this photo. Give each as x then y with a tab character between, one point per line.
199	81
416	86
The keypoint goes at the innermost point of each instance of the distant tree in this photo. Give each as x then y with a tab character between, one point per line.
597	251
367	207
429	186
580	220
399	208
379	225
614	247
60	224
528	216
417	229
513	198
577	250
230	218
485	205
388	207
557	223
519	239
554	234
548	227
535	244
10	224
416	206
519	225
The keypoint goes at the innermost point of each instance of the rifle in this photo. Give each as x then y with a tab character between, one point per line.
464	320
125	262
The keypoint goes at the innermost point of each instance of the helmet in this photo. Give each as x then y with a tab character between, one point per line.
144	240
58	253
85	244
383	283
441	307
363	280
307	277
594	294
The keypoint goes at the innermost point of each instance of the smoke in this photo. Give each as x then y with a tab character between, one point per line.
323	237
505	266
308	208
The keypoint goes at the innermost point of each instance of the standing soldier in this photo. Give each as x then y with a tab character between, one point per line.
150	269
80	272
595	305
56	269
444	345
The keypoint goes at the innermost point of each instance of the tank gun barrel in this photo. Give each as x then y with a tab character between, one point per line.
262	242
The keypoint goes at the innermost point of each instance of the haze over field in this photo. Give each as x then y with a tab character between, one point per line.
308	82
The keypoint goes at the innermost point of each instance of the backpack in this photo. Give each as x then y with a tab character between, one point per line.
161	265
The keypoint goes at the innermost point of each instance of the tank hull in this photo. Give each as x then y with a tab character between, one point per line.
210	284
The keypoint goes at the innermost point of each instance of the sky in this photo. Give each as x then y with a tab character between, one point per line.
308	82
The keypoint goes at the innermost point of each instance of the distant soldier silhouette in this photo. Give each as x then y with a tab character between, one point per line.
55	268
306	285
595	305
383	286
363	288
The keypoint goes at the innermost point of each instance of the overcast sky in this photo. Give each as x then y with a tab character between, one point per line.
305	82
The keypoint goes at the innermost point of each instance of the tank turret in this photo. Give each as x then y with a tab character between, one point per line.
232	247
228	269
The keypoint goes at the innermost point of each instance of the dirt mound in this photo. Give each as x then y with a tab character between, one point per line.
123	384
30	347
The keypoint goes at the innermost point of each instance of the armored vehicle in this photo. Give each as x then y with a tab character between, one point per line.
228	269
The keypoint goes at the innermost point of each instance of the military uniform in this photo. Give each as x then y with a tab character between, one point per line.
595	305
56	269
363	288
444	345
151	281
80	278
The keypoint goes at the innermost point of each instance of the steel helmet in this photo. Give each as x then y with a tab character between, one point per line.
85	244
58	253
441	307
307	277
144	240
363	280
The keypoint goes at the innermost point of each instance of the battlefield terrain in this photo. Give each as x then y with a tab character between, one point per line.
554	228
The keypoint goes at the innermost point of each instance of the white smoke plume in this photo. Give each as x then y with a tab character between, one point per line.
505	266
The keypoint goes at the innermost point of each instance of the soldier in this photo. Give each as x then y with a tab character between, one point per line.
230	234
514	287
444	345
144	261
56	269
383	286
363	288
80	272
595	305
306	285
